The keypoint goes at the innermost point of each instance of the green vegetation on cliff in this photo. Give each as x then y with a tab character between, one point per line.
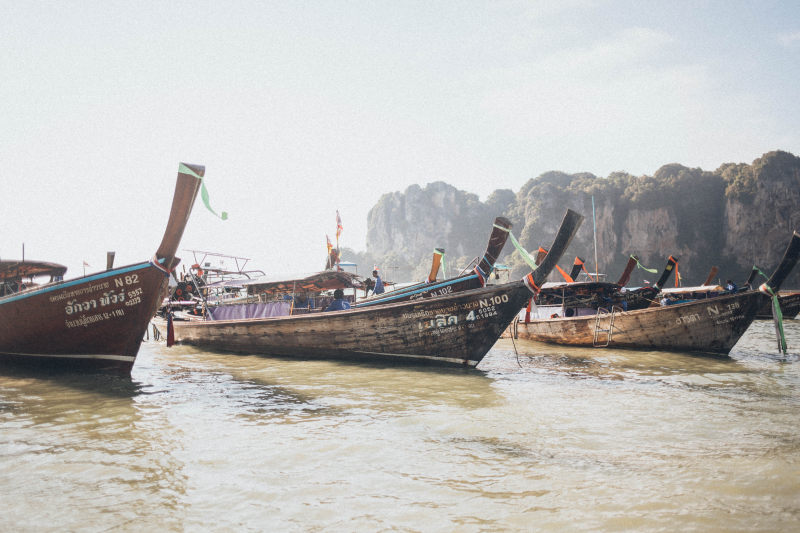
733	217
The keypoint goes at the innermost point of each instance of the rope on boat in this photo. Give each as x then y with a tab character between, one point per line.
513	334
155	262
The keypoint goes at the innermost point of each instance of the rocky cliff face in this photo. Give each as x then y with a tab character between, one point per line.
734	217
762	207
404	228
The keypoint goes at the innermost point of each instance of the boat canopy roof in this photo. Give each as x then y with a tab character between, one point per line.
228	284
581	286
11	270
321	281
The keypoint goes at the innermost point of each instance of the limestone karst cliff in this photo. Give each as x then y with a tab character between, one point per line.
734	217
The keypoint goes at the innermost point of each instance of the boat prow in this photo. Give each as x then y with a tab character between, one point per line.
96	322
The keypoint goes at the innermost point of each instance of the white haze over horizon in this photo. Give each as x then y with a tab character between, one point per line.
298	109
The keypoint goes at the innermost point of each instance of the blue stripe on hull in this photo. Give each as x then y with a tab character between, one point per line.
425	289
73	283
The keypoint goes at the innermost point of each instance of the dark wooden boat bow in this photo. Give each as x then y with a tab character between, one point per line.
472	280
96	322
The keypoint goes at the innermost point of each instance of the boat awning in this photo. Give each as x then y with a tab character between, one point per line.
321	281
25	269
579	286
227	284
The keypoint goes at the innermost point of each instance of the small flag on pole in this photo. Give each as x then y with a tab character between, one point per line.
339	227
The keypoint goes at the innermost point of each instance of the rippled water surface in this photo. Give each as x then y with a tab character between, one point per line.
553	438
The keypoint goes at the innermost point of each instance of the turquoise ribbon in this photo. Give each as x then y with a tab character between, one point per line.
759	271
777	316
522	252
183	169
639	265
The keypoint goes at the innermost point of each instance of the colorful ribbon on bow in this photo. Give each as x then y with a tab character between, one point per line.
777	316
531	262
203	191
639	265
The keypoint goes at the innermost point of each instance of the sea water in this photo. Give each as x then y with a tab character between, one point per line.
540	437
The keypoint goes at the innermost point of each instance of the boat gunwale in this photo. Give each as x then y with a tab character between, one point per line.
50	287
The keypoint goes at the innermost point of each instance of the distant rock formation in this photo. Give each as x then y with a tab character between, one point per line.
734	217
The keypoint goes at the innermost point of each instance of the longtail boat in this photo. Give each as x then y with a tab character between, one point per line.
709	325
789	300
475	279
456	328
16	276
95	322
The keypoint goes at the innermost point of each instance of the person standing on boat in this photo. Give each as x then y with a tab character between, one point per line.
378	283
730	286
338	303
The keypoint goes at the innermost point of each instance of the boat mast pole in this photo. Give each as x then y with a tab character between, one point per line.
594	223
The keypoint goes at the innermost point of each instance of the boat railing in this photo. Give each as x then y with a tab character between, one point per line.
470	266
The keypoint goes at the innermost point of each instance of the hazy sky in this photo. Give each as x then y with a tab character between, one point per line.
301	108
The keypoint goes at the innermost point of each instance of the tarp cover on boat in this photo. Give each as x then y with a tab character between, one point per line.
579	287
257	310
697	289
321	281
25	269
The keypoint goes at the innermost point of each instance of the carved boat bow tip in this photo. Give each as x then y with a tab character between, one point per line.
569	227
190	178
787	264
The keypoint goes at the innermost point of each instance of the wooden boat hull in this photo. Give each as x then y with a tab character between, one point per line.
790	306
96	321
458	329
707	326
